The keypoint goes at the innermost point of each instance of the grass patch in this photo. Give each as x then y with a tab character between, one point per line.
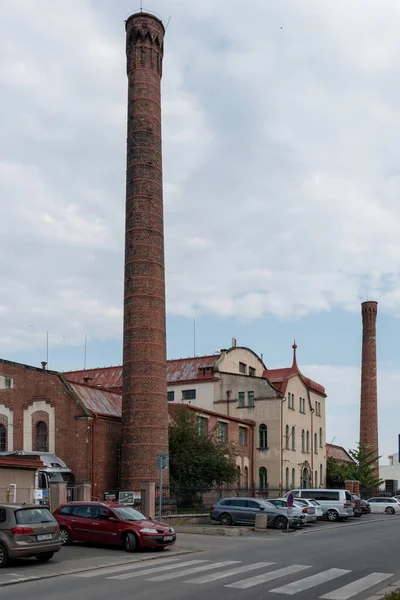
393	595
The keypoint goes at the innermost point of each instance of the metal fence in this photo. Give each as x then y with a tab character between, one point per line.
185	501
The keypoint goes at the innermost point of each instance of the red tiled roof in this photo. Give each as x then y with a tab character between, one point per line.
99	401
173	407
338	453
107	377
280	377
189	369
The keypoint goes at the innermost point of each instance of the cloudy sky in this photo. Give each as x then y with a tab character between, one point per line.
281	124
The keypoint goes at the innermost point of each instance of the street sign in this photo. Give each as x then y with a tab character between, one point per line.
162	461
290	500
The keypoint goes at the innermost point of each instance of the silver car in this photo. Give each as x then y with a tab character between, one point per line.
308	508
281	505
26	531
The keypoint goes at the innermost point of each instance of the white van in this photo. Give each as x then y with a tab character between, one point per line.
336	504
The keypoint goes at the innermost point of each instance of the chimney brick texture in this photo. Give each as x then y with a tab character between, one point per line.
144	432
369	394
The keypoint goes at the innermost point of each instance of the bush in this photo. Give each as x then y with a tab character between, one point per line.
393	595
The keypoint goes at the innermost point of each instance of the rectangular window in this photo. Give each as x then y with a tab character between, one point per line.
250	399
242	436
252	372
188	394
171	396
241	399
222	431
242	368
202	425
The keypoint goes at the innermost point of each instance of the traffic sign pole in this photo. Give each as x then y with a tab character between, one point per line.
290	502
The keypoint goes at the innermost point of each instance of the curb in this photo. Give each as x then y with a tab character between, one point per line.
83	570
392	587
341	526
212	530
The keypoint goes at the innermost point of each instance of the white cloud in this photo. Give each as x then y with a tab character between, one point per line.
280	160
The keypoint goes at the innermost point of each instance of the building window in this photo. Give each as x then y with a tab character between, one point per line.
246	477
287	437
241	399
320	437
242	436
293	439
242	368
202	425
263	478
263	436
188	394
291	401
41	437
239	477
222	431
6	383
287	478
303	441
302	404
171	396
318	408
308	442
252	372
321	480
293	478
316	479
3	438
315	444
250	399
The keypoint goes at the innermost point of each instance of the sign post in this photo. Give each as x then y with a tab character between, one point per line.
290	502
162	464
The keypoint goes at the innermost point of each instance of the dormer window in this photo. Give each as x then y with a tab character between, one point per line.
242	368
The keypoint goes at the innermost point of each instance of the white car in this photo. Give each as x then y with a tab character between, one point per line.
312	508
390	506
281	504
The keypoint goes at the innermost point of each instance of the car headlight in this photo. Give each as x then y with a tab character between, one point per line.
147	530
171	530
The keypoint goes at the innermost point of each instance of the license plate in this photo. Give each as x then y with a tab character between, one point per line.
168	538
45	536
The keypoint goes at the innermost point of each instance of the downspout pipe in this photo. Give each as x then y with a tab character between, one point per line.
281	445
95	417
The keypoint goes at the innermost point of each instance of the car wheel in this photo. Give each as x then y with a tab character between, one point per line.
389	510
281	523
44	557
65	536
131	543
332	516
4	558
225	519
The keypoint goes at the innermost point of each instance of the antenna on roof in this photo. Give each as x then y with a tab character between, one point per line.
84	356
194	337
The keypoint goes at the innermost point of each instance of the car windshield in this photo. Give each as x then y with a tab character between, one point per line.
127	513
33	515
314	502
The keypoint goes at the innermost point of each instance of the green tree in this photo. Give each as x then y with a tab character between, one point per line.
197	458
363	469
335	473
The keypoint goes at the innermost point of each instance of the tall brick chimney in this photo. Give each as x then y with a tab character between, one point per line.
369	395
144	387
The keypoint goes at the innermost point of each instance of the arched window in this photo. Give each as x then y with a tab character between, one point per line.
321	478
316	479
287	437
263	436
3	438
239	477
287	479
308	441
293	478
263	478
41	437
293	439
303	448
320	437
246	477
315	444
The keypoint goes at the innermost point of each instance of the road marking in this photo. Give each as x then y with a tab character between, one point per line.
348	591
157	569
309	582
225	563
126	567
215	576
252	581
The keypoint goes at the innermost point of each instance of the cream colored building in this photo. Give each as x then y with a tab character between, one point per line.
287	407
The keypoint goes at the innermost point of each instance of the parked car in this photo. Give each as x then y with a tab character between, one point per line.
111	524
356	502
390	506
365	507
336	504
318	508
243	511
297	511
26	531
308	508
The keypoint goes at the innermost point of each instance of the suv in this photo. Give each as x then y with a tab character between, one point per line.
111	524
27	530
336	504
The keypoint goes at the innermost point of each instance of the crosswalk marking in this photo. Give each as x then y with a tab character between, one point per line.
309	582
157	569
127	567
270	576
356	587
215	576
225	563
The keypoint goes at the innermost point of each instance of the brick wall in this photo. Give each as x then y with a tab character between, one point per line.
107	436
369	394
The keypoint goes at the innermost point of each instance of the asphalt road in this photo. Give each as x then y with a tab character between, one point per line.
334	563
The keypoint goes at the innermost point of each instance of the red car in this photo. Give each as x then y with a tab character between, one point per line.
111	524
